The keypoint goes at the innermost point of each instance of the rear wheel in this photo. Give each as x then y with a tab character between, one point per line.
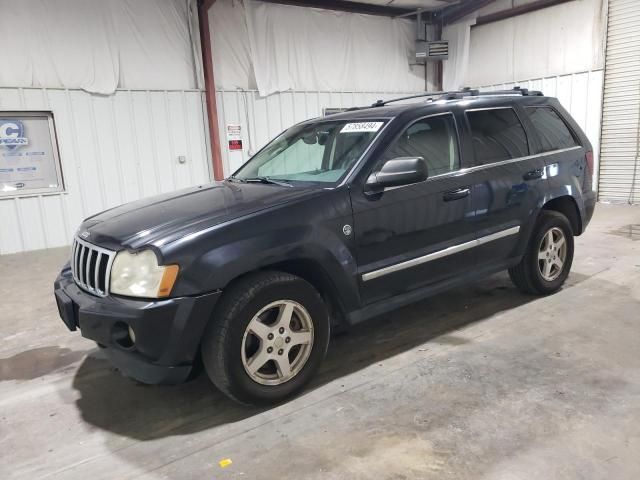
267	338
547	261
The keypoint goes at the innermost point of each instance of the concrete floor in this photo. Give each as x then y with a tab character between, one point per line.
480	382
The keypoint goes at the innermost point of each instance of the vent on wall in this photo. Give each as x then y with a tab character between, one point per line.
431	51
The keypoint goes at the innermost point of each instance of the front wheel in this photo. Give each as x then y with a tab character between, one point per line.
547	261
267	338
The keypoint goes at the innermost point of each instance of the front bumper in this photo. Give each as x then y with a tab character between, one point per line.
167	331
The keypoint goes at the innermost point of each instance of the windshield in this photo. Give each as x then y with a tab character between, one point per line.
319	152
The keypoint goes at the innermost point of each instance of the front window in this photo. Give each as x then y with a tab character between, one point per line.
434	139
321	152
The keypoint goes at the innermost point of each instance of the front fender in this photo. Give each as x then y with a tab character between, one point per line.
301	232
231	261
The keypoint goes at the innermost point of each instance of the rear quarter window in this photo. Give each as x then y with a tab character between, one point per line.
497	135
553	132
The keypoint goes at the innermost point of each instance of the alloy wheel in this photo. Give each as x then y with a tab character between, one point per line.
552	254
277	342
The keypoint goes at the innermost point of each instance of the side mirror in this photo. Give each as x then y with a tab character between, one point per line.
396	172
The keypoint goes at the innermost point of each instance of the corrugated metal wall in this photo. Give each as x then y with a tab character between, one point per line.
113	149
580	93
262	118
620	169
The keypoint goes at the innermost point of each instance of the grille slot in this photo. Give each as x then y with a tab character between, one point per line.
91	267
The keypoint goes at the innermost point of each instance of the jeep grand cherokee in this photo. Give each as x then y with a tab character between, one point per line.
337	220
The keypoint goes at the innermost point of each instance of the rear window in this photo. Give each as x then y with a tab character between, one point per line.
497	135
552	131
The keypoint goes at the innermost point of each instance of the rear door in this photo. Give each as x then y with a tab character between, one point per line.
415	235
507	181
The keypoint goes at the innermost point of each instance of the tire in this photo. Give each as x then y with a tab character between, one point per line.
530	275
232	350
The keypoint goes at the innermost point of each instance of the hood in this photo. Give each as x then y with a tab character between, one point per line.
164	218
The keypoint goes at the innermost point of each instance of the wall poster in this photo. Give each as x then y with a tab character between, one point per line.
29	158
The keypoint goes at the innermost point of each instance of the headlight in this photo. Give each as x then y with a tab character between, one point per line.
139	275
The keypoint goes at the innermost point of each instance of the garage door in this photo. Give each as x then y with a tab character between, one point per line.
619	169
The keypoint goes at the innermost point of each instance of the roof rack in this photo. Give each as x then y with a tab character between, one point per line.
468	92
381	103
525	92
465	92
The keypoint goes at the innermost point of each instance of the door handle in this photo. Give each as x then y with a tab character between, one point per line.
534	174
455	194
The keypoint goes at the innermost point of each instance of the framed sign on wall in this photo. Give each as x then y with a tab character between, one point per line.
29	158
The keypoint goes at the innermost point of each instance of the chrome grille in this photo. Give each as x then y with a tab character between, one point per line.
91	267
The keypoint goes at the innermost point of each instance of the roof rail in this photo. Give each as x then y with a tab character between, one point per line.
525	92
465	92
468	92
381	103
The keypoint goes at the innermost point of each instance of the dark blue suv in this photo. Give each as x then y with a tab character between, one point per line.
337	220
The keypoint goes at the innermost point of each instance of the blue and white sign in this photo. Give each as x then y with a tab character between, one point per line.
29	161
12	134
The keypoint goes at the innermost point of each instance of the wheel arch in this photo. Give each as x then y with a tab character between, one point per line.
311	271
567	206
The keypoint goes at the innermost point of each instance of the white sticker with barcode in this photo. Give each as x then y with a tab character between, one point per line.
361	127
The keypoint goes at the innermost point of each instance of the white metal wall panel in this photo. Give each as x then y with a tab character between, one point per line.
580	93
620	169
262	118
113	149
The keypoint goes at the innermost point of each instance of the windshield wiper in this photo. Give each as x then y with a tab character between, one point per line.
267	180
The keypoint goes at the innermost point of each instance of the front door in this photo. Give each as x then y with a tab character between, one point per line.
415	235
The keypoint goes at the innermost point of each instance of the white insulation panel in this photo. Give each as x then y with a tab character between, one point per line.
113	149
580	93
263	118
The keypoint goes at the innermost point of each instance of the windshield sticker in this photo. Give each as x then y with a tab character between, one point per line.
361	127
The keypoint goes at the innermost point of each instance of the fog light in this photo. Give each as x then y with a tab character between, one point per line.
123	335
132	335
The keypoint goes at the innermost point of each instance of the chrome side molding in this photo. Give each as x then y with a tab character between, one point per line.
439	254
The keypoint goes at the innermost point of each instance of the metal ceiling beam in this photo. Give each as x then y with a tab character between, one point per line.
345	6
520	10
456	12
